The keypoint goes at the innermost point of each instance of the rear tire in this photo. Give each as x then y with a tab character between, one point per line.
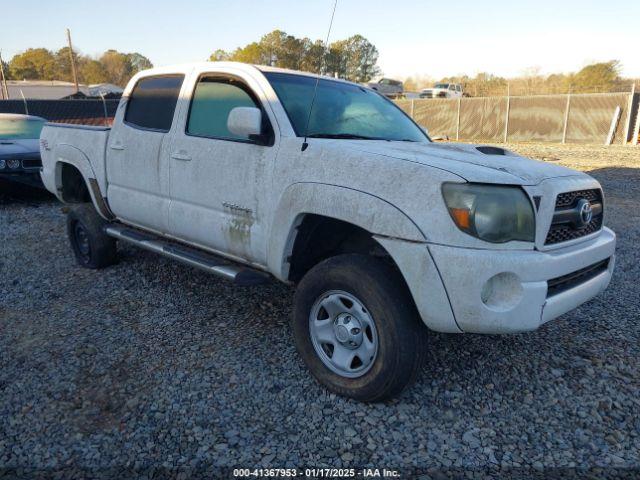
91	246
367	297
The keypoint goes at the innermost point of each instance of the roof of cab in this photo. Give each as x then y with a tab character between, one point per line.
203	66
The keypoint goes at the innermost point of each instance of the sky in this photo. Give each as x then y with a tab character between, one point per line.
414	37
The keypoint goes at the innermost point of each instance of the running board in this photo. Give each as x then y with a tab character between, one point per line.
188	256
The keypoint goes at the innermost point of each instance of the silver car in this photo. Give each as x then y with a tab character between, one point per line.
388	87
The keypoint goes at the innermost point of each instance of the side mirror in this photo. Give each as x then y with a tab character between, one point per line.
245	122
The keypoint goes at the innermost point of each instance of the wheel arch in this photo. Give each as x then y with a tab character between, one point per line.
75	180
363	211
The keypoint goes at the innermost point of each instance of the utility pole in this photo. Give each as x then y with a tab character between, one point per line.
73	61
3	80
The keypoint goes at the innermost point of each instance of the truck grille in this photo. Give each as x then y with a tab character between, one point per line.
567	224
565	282
567	199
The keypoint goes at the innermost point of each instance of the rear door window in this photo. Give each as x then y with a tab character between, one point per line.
152	102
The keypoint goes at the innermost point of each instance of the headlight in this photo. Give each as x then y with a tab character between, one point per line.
493	213
13	163
3	164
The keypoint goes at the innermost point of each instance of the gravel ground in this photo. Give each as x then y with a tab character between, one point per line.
153	364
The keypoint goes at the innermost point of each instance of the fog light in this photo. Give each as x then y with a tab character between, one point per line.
3	164
13	163
502	292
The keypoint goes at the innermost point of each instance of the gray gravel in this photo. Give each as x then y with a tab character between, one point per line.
153	364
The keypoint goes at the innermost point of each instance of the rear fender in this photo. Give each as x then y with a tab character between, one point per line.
68	154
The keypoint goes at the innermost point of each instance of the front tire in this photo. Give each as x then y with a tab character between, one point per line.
357	329
91	246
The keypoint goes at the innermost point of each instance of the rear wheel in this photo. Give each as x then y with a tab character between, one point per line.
357	329
91	246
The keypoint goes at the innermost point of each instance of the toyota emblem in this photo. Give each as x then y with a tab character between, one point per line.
586	212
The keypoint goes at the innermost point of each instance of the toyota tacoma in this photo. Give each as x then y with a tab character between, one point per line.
254	173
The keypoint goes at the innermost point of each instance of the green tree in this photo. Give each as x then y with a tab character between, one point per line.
292	53
92	71
354	59
557	83
313	55
600	77
138	62
252	53
63	69
219	56
335	62
7	71
117	67
279	49
489	84
33	64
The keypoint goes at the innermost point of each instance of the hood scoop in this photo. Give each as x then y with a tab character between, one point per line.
492	150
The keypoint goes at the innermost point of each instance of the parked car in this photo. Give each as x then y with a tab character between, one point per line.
388	87
443	90
383	232
20	148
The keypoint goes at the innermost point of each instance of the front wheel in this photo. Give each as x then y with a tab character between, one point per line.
357	329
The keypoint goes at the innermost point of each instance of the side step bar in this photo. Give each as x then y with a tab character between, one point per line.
189	256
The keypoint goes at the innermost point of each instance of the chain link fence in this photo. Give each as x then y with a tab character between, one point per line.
81	112
578	118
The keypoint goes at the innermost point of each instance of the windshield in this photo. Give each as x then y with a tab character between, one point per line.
442	85
342	110
20	128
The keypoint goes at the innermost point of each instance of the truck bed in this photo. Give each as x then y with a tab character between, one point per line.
81	145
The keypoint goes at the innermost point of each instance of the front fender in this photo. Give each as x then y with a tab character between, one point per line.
364	210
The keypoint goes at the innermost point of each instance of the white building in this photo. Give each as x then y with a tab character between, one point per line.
54	89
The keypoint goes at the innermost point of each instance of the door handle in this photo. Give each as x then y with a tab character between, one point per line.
117	146
180	156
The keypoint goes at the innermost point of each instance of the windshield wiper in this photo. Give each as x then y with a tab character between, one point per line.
343	135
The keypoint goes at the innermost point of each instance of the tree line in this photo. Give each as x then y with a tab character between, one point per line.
354	58
593	78
42	64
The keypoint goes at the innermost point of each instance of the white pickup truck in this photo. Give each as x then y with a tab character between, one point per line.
443	90
382	231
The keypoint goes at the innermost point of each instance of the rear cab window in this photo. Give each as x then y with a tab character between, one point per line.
152	102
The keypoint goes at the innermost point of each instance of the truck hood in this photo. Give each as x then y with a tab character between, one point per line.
14	148
474	163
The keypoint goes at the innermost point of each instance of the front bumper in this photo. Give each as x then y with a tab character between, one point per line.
505	291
